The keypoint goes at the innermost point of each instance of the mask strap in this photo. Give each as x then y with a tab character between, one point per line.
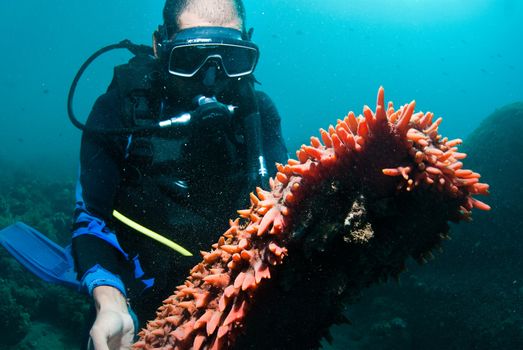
161	34
247	35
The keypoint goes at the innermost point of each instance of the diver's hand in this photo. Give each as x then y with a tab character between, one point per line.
113	328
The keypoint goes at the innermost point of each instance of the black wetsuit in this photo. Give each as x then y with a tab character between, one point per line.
182	184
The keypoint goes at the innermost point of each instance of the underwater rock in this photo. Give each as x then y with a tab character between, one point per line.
492	245
496	148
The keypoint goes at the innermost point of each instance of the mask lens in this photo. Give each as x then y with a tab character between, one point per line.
187	60
236	60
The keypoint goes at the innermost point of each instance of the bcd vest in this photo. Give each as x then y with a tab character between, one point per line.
182	183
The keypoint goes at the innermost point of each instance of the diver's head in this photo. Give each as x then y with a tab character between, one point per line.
203	46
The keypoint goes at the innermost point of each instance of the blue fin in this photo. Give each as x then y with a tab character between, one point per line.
40	255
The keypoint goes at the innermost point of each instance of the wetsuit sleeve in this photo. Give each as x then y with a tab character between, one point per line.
274	147
99	259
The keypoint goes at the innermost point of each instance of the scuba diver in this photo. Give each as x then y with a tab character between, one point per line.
168	153
179	182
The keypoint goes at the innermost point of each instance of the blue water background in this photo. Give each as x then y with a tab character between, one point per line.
320	59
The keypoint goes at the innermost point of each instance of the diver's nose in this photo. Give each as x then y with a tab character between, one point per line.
209	78
212	71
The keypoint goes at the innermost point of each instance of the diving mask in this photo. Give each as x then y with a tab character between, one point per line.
192	48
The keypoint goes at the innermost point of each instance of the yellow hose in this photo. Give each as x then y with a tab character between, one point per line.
151	234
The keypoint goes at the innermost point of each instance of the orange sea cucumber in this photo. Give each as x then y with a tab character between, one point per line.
384	154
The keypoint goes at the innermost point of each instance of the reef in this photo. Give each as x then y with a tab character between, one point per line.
27	302
358	201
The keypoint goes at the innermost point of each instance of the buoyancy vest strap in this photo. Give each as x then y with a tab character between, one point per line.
151	234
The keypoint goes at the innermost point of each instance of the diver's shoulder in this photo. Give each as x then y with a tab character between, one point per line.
263	98
106	111
268	112
109	100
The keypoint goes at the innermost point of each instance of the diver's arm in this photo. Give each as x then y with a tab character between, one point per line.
100	262
96	250
274	148
113	328
98	256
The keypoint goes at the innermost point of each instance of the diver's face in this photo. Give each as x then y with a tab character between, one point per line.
211	80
